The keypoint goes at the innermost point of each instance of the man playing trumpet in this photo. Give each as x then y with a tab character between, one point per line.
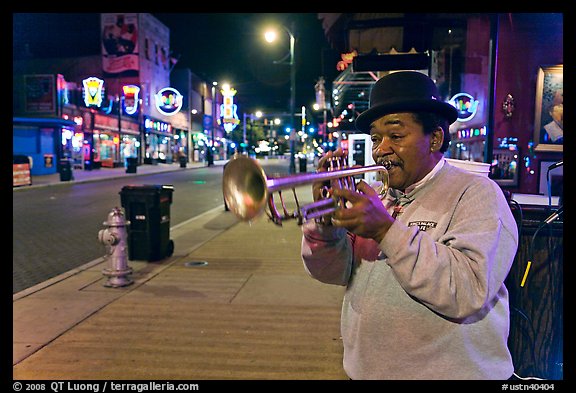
424	264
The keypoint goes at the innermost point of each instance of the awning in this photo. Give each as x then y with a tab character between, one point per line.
352	88
353	85
43	121
391	62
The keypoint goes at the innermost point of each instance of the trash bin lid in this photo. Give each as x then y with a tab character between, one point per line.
148	187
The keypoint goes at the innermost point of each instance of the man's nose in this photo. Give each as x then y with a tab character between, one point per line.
383	148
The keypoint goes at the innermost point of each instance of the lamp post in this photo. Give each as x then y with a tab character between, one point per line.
120	100
210	158
291	63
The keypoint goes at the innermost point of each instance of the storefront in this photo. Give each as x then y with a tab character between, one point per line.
129	141
158	141
468	144
73	139
74	147
180	146
200	145
129	146
220	148
106	137
40	139
114	141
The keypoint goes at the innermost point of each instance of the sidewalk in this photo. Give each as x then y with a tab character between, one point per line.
80	176
232	302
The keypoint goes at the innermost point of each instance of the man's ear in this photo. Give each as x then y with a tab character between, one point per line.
436	139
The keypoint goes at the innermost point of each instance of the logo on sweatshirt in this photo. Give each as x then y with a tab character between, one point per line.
423	225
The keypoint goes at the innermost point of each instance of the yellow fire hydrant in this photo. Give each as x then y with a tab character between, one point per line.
114	237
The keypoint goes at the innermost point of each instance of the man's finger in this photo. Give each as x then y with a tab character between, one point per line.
343	221
365	189
347	194
322	161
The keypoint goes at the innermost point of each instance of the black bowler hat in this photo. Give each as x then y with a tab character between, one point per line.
404	91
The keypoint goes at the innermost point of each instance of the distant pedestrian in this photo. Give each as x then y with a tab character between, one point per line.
209	157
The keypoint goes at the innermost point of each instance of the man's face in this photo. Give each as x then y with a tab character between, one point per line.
398	138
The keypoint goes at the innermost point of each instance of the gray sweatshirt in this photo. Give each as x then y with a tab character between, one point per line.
429	301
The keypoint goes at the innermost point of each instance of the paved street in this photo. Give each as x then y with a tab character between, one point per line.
56	224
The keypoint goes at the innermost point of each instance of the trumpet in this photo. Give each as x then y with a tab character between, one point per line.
248	190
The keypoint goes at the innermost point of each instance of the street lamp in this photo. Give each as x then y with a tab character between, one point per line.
270	37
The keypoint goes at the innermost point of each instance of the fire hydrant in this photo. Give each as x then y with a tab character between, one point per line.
114	237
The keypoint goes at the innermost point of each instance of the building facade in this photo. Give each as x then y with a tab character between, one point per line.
100	109
502	71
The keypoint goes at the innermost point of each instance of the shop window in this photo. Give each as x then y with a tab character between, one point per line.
128	147
106	149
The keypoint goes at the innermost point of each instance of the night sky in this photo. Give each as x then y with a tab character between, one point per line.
230	47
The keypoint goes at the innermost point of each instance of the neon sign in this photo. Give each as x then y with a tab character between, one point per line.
155	125
466	106
471	132
228	109
168	101
130	98
346	60
93	91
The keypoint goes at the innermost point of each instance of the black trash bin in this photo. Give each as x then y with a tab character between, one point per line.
183	161
66	174
303	164
147	208
131	164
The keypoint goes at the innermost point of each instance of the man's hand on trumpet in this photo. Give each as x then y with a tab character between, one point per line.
365	214
361	210
320	189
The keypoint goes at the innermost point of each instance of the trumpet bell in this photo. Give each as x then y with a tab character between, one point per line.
244	187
